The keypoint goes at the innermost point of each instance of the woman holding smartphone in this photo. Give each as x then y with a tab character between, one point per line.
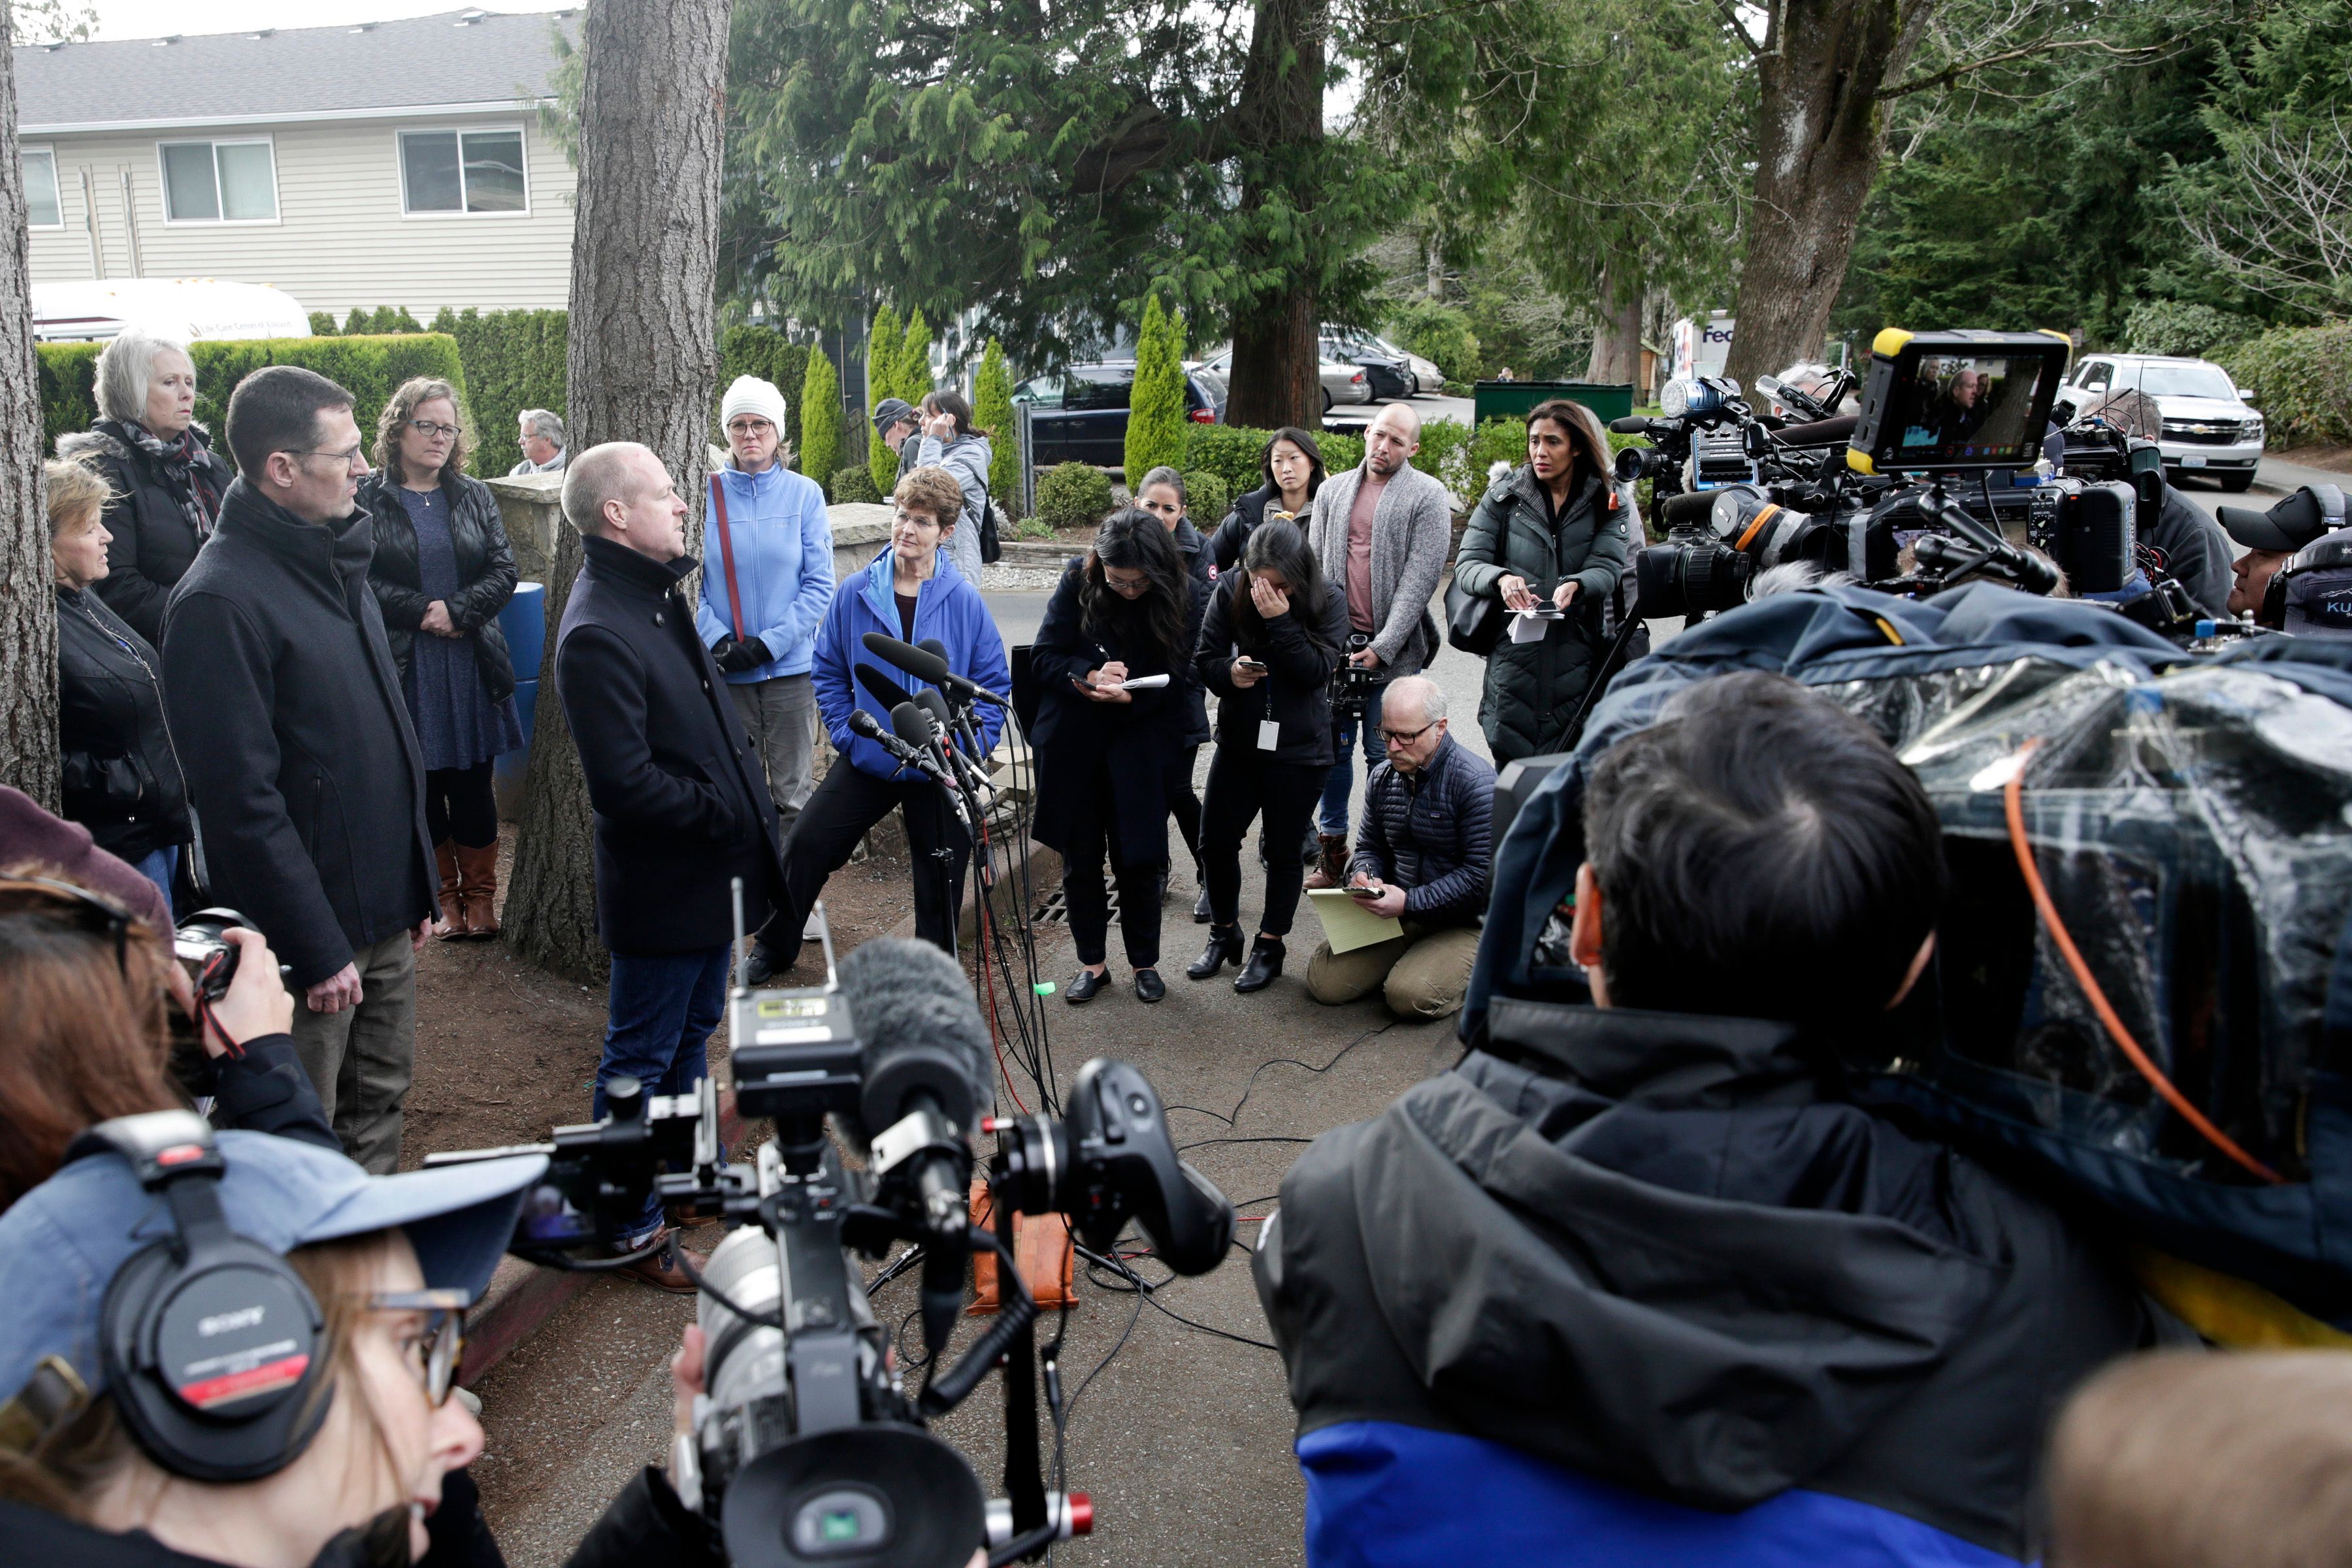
1273	636
1110	662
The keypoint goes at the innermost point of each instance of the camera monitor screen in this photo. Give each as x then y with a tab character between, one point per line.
1944	401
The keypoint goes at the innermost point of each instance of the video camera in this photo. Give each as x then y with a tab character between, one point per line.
1352	685
808	1448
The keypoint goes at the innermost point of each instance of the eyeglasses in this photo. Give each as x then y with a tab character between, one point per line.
1407	737
99	917
427	427
354	457
915	519
441	1349
1131	589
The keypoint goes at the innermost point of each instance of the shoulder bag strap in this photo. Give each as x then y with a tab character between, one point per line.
727	555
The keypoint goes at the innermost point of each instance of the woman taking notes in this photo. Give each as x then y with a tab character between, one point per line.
1272	638
1109	659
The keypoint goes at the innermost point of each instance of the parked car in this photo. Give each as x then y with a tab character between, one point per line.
189	307
1079	416
1389	374
1341	383
1426	376
2210	427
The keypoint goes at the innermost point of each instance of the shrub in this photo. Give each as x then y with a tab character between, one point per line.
1340	453
820	425
2301	380
1155	417
1230	452
2173	327
1438	332
1460	389
1445	454
915	360
322	325
767	354
1498	438
1206	498
882	345
1033	527
368	367
1073	495
992	410
514	360
855	485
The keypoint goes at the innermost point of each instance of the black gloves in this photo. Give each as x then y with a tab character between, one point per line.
734	655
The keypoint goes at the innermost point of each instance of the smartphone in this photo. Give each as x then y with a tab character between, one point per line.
1254	666
1549	613
1369	890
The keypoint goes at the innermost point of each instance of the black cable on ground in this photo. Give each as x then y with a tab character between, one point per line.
1149	1291
1250	1088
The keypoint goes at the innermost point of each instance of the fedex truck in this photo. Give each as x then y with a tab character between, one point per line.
1701	344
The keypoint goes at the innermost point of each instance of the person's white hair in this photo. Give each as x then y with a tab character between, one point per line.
126	365
1429	696
542	422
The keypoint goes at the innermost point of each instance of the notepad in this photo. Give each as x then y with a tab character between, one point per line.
1144	684
1346	924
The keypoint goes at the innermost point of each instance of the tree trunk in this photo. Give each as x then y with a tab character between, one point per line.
642	358
1278	126
1817	151
1433	283
1616	356
28	604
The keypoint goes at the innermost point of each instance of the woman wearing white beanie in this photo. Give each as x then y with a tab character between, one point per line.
767	578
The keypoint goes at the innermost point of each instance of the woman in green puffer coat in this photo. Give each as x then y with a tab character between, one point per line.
1555	531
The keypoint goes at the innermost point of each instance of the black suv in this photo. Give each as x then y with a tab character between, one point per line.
1080	414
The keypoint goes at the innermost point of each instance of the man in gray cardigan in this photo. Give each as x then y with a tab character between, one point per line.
1381	530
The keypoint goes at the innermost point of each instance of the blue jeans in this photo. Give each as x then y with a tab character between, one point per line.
160	868
657	1027
1342	781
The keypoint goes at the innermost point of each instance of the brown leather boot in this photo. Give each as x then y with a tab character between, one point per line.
447	923
1332	868
477	889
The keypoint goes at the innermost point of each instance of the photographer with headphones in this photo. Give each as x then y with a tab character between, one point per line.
2296	572
240	1349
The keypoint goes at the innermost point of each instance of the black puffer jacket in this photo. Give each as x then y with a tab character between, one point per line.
1431	832
1299	659
1193	546
1248	511
153	539
486	566
123	779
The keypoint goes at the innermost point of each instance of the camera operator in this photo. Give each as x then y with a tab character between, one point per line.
1272	638
1426	842
86	1040
2191	546
2272	539
1642	1276
1106	755
353	1461
682	805
911	592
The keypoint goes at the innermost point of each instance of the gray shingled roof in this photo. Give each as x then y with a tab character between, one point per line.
457	57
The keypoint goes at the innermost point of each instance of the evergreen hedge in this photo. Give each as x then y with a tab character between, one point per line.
2301	380
883	341
1155	409
514	360
820	444
368	367
1073	495
992	410
1206	498
853	485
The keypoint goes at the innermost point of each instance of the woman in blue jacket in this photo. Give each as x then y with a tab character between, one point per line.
767	578
913	593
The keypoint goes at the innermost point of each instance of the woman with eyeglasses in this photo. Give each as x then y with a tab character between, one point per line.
442	573
1273	636
372	1472
1111	659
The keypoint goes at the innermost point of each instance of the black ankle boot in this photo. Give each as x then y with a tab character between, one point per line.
1265	963
1224	947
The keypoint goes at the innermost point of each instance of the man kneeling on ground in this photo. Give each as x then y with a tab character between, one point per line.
1427	842
1631	1285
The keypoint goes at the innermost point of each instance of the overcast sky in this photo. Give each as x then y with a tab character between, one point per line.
156	18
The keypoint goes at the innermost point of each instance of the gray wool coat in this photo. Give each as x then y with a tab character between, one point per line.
1412	532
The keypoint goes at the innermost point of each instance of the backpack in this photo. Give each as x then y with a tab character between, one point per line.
992	543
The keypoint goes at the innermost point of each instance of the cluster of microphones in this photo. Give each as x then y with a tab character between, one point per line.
925	726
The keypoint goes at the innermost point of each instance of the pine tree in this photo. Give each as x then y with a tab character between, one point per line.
820	418
882	347
914	359
991	411
1155	410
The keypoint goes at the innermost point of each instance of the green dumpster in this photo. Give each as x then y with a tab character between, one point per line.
1512	399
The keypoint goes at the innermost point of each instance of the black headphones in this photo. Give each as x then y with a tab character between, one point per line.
211	1343
2330	501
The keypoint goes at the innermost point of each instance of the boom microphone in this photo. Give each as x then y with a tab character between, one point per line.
1691	509
1820	432
881	687
1631	424
924	665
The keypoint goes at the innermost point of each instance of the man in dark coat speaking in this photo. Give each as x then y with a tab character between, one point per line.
681	808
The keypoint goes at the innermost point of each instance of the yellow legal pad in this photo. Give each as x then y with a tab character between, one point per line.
1346	925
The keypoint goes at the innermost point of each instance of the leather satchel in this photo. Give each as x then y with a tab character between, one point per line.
1472	624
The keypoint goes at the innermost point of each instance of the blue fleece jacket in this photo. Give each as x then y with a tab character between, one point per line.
783	568
946	607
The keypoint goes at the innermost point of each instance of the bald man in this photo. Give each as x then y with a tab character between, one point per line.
1380	531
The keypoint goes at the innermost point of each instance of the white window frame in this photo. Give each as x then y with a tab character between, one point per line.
400	168
56	181
163	183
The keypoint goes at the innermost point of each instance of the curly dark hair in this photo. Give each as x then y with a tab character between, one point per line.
1134	541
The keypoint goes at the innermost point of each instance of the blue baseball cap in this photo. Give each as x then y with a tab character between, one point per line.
61	1243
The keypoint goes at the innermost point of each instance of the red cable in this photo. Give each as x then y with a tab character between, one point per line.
2013	803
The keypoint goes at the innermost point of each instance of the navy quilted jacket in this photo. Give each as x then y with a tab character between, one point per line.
1431	832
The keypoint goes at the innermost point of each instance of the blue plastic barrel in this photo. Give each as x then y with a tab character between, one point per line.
524	622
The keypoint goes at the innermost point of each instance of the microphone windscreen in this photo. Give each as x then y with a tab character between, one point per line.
929	700
880	687
907	657
935	648
866	724
911	724
1690	510
1630	424
1820	432
919	1029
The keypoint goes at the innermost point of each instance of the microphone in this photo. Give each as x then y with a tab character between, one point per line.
881	687
923	1052
1690	510
866	724
918	739
935	648
1631	424
1820	432
924	665
931	702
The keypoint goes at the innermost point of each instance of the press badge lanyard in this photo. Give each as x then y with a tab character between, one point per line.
1269	732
